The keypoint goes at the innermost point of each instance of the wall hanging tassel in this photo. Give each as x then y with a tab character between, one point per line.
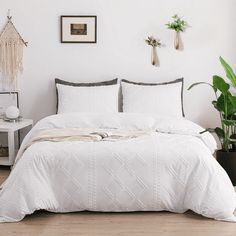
11	53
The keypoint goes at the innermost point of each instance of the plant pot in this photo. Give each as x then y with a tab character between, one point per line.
228	161
154	57
178	43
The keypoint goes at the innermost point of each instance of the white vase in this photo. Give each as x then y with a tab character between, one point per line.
178	43
154	57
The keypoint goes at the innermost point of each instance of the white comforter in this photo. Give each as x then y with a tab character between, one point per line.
172	169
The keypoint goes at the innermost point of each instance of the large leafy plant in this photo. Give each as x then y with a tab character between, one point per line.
225	104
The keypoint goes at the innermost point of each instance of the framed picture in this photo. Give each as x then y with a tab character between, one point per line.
78	29
8	99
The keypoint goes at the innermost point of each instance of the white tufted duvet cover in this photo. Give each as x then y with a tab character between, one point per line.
170	169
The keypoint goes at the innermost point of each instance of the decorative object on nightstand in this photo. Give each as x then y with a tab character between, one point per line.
154	43
225	104
178	25
10	129
12	113
3	151
8	99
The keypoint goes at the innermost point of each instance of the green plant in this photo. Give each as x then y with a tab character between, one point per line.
153	42
177	24
225	104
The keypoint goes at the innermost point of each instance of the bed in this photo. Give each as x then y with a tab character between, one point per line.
117	162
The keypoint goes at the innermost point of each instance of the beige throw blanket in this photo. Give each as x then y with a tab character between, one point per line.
85	135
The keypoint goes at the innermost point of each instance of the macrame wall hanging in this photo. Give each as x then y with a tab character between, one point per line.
11	53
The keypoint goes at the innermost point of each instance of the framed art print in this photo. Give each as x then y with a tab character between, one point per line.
78	29
8	99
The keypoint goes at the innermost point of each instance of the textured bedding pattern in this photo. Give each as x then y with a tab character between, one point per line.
172	169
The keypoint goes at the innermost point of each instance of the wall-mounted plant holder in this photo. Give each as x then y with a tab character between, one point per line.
178	25
154	57
178	43
154	43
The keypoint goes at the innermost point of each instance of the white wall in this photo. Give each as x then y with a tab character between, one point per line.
121	51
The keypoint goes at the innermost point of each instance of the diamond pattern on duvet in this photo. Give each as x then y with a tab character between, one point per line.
127	184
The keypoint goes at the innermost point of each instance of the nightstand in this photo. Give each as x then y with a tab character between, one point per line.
10	129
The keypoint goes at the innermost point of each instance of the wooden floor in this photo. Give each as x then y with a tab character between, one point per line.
119	224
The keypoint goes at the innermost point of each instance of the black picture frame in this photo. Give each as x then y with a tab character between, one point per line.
78	35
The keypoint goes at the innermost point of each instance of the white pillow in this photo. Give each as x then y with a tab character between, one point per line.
161	99
87	99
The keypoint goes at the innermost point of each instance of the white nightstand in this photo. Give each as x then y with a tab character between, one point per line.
11	128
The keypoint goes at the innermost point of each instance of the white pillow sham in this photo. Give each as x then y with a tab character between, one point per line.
161	99
87	99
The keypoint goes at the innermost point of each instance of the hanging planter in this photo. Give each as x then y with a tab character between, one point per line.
154	43
154	57
177	43
178	25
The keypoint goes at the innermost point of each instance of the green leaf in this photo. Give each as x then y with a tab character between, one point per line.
220	104
224	105
228	122
232	100
195	84
229	71
220	132
231	104
220	84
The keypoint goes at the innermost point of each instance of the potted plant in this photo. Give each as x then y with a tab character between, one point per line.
154	43
178	25
225	104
